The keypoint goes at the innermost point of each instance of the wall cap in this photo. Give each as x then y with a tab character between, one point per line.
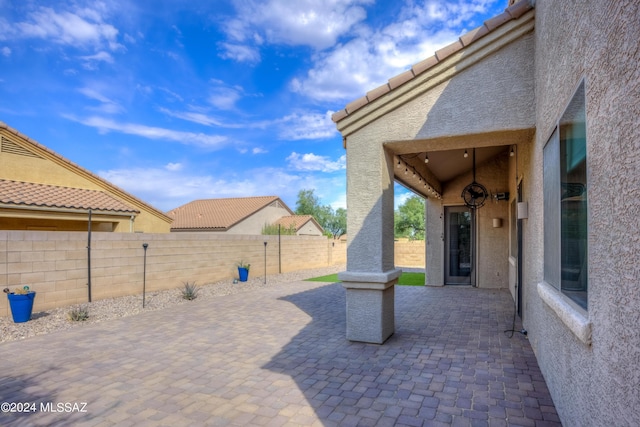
569	315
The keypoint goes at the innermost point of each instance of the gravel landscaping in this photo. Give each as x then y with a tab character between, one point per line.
43	322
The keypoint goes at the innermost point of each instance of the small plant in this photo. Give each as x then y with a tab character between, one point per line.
241	264
190	291
78	314
17	291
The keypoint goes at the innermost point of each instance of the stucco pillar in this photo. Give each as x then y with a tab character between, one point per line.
371	274
434	242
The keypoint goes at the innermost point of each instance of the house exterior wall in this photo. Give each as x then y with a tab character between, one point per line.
309	229
256	222
54	264
597	383
46	168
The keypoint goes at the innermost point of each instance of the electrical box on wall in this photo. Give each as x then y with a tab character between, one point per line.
523	210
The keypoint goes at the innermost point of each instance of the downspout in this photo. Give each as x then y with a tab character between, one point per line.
133	217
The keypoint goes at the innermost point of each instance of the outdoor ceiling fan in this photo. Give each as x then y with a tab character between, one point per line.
475	194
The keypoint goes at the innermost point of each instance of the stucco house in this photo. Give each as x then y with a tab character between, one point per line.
303	225
523	136
240	215
41	190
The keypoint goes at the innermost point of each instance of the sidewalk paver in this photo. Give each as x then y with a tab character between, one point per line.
278	356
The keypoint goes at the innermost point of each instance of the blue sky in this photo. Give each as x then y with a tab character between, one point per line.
176	101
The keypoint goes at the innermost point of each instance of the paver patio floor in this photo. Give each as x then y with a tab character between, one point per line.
279	356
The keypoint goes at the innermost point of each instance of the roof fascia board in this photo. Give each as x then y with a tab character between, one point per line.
439	73
8	211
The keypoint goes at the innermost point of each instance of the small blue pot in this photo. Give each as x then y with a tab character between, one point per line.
243	273
21	306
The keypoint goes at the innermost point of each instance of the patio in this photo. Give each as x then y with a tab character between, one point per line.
278	356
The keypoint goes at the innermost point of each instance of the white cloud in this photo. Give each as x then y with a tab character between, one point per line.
259	150
224	98
401	194
189	138
81	27
313	163
107	105
240	53
300	23
299	126
339	202
91	62
192	116
166	189
372	57
5	51
173	167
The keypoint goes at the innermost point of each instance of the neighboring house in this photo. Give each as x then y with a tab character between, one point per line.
523	137
241	215
41	190
303	225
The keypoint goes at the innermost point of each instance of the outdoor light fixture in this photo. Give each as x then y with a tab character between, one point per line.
398	163
466	154
406	171
426	158
512	153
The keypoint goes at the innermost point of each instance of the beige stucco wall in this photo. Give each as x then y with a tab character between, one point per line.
309	229
54	264
256	222
597	384
50	169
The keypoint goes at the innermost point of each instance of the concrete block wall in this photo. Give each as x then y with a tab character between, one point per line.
410	253
55	264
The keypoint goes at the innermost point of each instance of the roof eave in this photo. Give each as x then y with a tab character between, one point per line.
57	158
58	209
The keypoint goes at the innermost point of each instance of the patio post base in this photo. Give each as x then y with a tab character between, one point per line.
370	305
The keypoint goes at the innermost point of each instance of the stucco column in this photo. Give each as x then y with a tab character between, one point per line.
371	275
434	242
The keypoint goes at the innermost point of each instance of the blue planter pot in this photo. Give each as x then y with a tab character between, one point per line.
21	306
243	273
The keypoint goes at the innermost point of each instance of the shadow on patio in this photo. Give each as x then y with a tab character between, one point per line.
448	363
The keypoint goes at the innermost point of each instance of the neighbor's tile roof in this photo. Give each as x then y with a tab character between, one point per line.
295	221
40	195
74	167
217	214
512	12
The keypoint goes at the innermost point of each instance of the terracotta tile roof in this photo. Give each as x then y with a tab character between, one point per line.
218	214
82	171
512	12
19	193
296	221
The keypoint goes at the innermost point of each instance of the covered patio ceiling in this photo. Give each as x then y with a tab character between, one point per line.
446	158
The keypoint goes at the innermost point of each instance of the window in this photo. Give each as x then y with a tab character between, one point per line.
565	203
